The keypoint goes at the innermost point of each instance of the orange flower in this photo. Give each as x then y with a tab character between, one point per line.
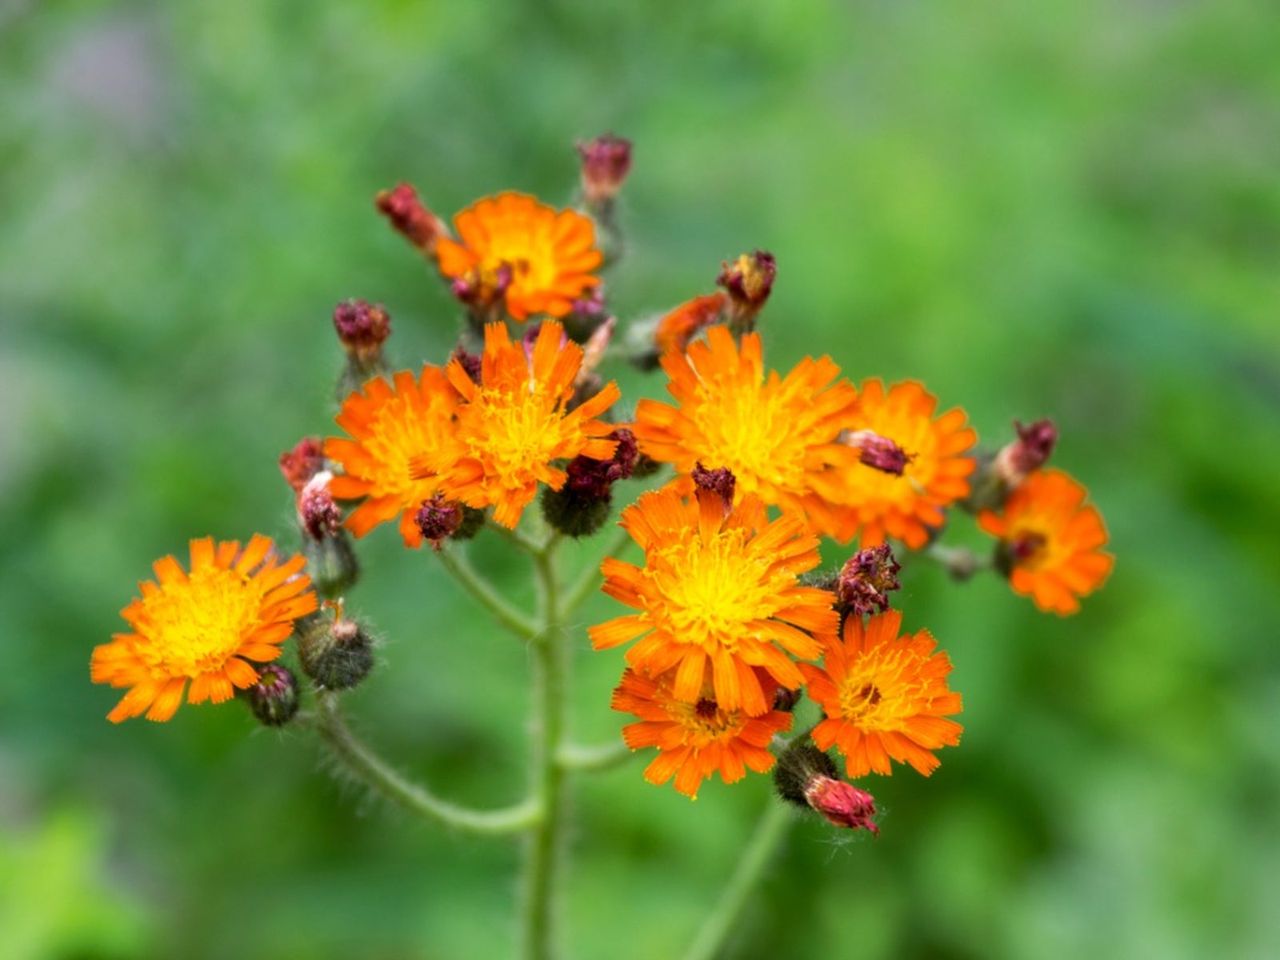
1051	541
391	425
906	504
235	606
513	245
718	592
681	325
515	423
777	436
884	696
694	740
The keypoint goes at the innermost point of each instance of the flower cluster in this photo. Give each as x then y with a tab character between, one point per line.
730	631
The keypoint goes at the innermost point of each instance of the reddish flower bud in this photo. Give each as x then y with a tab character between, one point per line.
362	327
720	482
1029	452
842	804
866	579
439	519
318	516
581	506
878	452
303	462
410	218
748	281
606	161
274	698
470	362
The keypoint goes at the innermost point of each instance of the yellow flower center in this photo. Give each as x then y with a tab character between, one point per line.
193	627
882	692
712	591
515	432
532	259
704	721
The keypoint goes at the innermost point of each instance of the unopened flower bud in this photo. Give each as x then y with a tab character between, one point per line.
439	519
806	776
720	482
876	451
335	651
303	462
274	698
362	328
410	218
606	161
586	314
331	561
318	515
581	506
1030	451
865	581
748	281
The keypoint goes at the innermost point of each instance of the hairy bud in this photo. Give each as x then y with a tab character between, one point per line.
274	698
335	651
1030	451
806	777
410	218
581	506
303	462
606	161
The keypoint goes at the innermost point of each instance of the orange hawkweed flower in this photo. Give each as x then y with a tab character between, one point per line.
1050	541
390	425
515	422
538	258
885	697
235	606
695	740
777	435
935	473
718	594
677	328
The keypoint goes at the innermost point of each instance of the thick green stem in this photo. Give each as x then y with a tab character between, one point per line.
550	707
371	770
483	591
770	831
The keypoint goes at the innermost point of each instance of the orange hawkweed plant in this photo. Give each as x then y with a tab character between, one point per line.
745	664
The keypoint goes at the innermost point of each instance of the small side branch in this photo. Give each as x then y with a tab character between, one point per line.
594	759
480	588
370	769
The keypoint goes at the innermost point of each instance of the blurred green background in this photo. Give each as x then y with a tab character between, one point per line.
1070	209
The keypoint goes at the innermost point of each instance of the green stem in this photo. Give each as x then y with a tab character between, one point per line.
550	702
371	770
583	759
483	591
589	579
770	831
516	537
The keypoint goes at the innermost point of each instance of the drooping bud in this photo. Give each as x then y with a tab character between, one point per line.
410	218
720	482
865	581
335	650
807	777
303	462
606	161
842	804
581	506
748	281
1030	451
876	451
274	698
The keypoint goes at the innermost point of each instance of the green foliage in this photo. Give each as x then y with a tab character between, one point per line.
1069	211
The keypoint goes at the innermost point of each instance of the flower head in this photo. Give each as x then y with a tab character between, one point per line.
694	739
390	424
1051	541
717	597
206	627
515	423
777	435
884	696
932	473
514	247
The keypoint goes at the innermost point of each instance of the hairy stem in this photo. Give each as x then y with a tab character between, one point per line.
550	702
770	831
583	759
374	772
480	588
